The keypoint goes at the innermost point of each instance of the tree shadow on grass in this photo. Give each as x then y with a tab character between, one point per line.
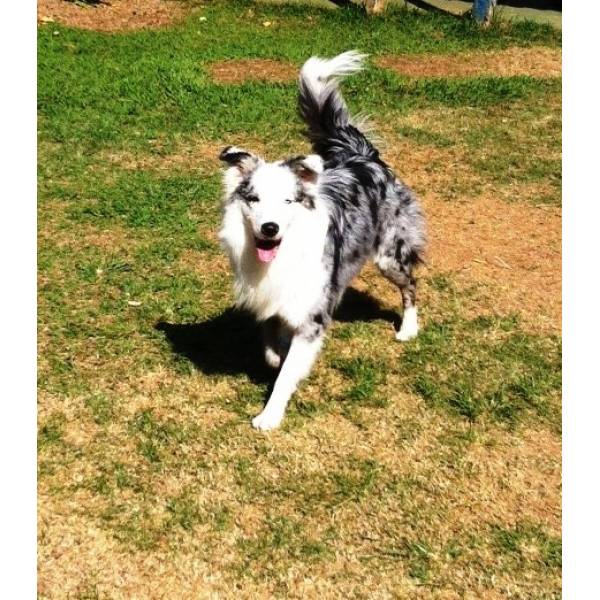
230	343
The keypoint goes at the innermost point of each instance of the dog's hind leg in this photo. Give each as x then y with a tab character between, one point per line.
303	351
410	325
270	334
401	274
276	339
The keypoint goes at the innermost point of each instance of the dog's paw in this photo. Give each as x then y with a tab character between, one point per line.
267	420
410	325
272	358
404	335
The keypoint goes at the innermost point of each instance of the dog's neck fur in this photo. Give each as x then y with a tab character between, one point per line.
289	287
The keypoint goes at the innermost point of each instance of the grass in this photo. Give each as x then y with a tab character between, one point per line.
366	375
483	368
389	476
527	544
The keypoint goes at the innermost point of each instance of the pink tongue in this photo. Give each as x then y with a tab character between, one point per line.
267	255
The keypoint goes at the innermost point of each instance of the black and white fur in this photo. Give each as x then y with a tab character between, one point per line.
298	231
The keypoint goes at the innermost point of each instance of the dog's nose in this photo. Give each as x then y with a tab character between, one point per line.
269	229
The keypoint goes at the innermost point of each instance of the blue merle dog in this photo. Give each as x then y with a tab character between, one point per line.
297	231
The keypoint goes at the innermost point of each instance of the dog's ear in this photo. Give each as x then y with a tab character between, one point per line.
240	164
243	160
307	168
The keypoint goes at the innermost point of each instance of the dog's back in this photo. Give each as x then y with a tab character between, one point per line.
373	214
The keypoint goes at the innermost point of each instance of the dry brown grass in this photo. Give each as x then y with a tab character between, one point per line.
187	154
252	69
512	479
116	15
533	62
498	480
512	248
85	559
190	155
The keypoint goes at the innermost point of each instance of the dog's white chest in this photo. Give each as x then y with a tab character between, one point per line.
288	289
292	285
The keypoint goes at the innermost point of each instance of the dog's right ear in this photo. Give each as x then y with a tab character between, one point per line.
240	163
243	160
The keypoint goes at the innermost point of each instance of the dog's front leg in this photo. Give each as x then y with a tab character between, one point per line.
296	366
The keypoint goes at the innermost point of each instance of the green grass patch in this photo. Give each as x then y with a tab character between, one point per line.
140	199
159	441
353	484
281	541
96	90
474	91
483	368
366	376
51	432
528	543
101	407
183	512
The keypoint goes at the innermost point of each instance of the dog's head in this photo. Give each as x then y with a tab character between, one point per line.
270	195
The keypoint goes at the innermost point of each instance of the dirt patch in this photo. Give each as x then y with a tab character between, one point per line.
238	71
513	249
116	15
503	258
185	155
533	62
194	156
427	168
496	275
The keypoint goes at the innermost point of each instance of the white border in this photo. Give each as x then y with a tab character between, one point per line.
18	297
581	412
581	223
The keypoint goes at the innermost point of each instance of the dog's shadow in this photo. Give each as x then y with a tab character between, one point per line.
230	344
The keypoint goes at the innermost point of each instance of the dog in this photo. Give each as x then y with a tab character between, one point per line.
297	231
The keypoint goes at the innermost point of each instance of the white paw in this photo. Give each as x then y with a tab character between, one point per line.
406	334
410	325
272	358
267	420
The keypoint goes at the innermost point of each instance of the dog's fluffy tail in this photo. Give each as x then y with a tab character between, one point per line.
330	128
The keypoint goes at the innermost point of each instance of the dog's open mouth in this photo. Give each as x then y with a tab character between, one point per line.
266	250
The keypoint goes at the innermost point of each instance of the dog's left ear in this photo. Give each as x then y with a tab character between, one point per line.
307	168
243	160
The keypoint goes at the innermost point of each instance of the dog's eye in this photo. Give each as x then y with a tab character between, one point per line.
288	201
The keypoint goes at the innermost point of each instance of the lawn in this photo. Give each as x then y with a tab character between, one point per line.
428	469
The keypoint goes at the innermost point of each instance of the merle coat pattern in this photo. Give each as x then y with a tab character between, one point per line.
298	231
